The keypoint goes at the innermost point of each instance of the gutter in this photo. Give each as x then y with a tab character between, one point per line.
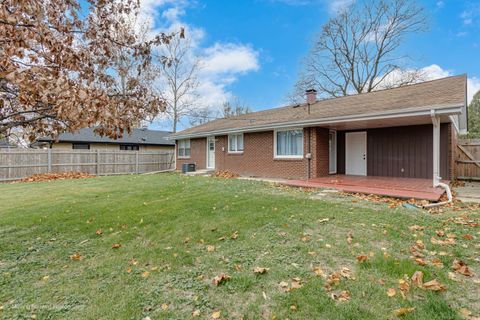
440	110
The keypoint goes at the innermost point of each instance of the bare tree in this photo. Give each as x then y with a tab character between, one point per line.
201	116
178	79
57	67
235	108
357	51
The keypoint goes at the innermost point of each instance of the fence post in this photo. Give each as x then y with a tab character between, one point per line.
136	162
97	160
49	160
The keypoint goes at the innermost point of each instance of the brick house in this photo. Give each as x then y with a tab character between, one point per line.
402	132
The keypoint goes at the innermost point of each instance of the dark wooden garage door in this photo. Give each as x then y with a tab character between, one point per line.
401	152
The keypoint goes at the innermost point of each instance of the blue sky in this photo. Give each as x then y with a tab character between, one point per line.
253	48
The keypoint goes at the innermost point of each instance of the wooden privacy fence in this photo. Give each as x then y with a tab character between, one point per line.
468	159
20	163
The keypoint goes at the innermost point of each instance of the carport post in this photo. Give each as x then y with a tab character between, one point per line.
436	148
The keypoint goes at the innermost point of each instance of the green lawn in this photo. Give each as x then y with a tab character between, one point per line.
167	226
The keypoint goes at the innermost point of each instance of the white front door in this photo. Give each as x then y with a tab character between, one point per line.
356	153
211	152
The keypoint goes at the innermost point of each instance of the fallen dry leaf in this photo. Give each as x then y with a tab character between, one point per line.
437	263
416	228
460	267
434	285
350	237
260	270
99	232
417	278
340	296
210	248
293	308
234	235
391	292
145	274
403	311
116	246
216	315
318	271
218	280
164	306
362	258
76	257
467	237
196	313
420	261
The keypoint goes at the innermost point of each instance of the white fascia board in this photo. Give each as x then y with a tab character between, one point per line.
439	110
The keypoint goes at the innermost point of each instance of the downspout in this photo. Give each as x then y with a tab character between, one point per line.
309	154
436	162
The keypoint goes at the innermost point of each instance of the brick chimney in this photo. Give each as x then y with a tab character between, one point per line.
311	96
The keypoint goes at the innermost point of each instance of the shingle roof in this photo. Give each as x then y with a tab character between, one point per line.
441	93
137	136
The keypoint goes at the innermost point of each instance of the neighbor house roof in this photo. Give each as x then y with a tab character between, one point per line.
137	136
442	94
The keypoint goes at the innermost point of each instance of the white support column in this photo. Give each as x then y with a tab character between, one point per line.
436	148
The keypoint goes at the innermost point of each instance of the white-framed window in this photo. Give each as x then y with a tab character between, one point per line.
183	148
288	143
235	143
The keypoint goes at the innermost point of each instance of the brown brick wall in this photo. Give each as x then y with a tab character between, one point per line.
197	154
257	158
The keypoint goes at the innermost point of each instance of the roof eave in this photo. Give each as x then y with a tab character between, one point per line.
440	110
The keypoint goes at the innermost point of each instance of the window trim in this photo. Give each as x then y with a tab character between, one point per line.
178	149
228	143
295	157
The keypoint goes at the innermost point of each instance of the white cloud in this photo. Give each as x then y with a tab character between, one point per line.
336	6
221	63
230	58
433	72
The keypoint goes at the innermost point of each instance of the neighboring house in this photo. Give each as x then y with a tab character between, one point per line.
138	139
408	131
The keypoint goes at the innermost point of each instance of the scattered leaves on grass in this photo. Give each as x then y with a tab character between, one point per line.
234	235
461	267
164	306
260	270
145	274
391	292
467	237
403	311
218	280
434	285
55	176
210	248
98	232
216	314
293	308
447	242
116	246
76	257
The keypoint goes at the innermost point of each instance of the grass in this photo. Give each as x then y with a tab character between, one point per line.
163	269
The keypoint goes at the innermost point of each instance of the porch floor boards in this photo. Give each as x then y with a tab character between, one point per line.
386	186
